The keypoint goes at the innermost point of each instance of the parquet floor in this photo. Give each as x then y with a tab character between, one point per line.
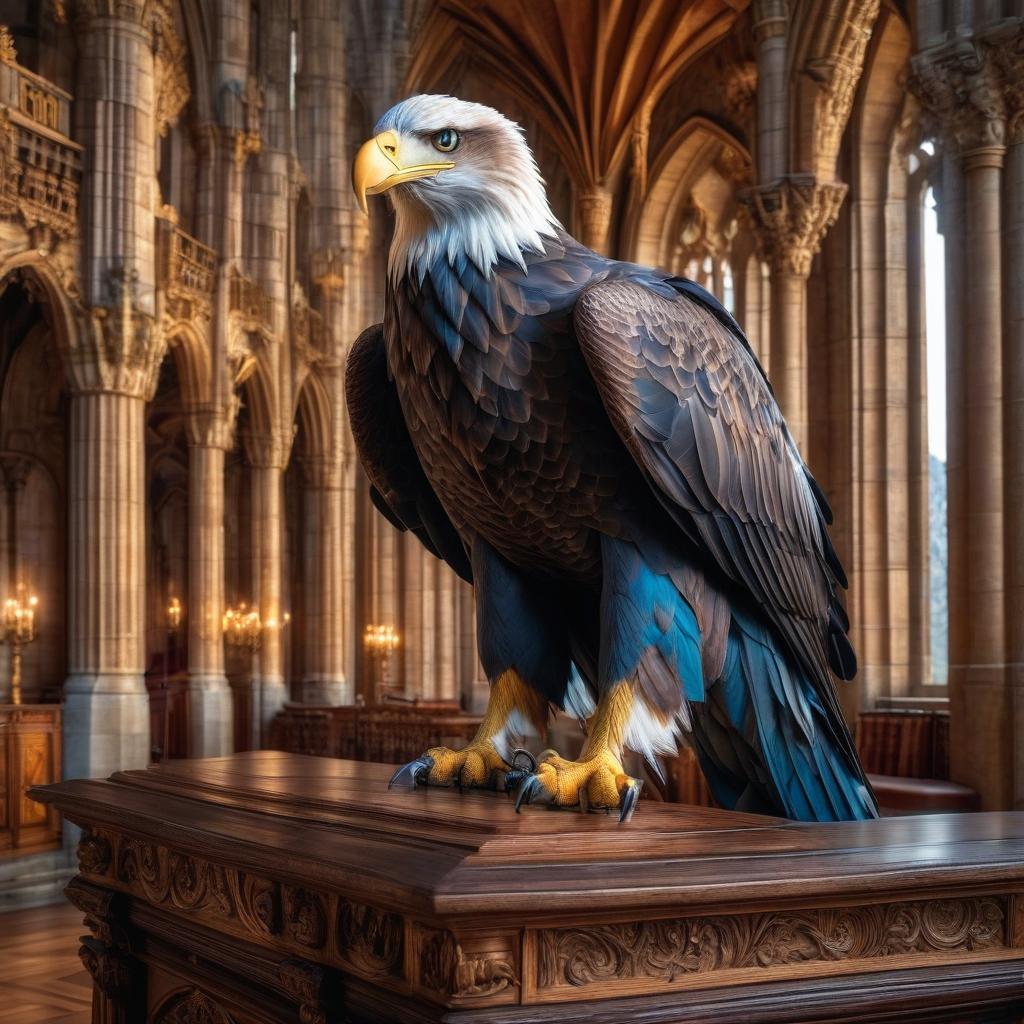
42	981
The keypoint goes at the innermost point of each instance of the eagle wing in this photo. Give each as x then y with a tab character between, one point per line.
398	486
694	408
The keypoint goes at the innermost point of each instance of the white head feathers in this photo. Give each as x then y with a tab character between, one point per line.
491	204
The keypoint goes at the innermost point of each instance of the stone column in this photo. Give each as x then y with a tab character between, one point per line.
959	84
106	707
415	626
1012	62
209	696
594	216
772	92
267	458
790	218
447	639
324	681
113	362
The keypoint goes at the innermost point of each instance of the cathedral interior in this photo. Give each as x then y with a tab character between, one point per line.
190	564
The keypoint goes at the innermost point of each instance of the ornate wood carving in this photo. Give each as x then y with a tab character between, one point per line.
105	953
370	939
666	949
93	854
304	983
192	1007
446	969
109	970
305	917
189	883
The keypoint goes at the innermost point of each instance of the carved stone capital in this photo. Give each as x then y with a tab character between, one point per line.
961	90
118	347
789	219
210	427
1007	50
170	66
271	451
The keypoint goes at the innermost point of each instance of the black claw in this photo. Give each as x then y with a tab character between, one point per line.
514	779
413	774
522	764
527	789
630	798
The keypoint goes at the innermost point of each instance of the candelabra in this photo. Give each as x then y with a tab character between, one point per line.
243	628
19	629
381	641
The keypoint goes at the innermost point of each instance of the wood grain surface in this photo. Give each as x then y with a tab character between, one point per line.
434	905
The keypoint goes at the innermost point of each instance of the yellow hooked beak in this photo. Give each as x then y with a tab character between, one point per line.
378	167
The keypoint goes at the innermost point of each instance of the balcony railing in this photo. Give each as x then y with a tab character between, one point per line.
189	272
40	167
308	331
253	306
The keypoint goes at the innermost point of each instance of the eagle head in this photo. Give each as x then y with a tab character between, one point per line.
462	180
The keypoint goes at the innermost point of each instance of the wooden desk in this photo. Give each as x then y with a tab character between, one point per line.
275	887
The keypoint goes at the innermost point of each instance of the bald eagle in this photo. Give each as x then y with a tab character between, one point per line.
595	447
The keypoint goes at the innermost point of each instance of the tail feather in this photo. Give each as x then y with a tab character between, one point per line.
806	771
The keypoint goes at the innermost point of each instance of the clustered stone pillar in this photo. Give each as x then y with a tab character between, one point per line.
1013	340
594	214
267	459
106	707
210	703
772	91
324	681
113	365
964	86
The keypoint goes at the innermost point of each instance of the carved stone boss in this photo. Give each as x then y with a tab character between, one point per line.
502	965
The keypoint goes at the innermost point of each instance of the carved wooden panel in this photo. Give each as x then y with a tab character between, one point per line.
36	770
365	939
470	968
29	756
191	1007
5	803
653	953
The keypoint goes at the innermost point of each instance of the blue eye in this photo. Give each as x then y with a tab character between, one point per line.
446	140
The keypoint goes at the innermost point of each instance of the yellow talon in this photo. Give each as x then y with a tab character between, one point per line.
597	782
473	767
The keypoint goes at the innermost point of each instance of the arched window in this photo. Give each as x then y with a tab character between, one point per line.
935	349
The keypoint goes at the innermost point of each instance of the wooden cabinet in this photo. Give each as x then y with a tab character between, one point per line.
29	756
268	887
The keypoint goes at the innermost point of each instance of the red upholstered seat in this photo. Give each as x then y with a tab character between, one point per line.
902	795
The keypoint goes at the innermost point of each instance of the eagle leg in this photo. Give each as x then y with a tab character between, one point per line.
597	781
486	763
